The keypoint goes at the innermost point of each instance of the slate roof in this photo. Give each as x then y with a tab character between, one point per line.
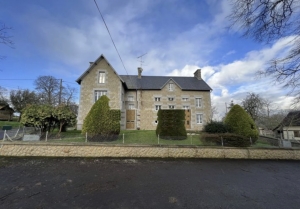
292	119
132	82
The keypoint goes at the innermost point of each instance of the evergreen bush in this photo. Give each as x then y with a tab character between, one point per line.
171	124
101	123
215	127
238	121
229	139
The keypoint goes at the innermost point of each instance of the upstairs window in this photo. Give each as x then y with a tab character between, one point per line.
171	98
101	77
171	87
198	102
99	93
186	107
185	99
157	99
130	98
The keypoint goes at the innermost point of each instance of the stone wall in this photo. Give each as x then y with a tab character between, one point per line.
90	83
97	150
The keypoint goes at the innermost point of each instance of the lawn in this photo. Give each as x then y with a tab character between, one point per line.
14	124
132	137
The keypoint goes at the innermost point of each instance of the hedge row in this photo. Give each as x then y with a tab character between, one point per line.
171	124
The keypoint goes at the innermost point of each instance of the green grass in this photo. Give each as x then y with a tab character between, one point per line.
14	124
143	137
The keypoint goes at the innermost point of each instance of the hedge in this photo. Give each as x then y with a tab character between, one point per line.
171	124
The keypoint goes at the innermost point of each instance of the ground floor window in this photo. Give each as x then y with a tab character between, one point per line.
199	118
296	133
157	107
99	93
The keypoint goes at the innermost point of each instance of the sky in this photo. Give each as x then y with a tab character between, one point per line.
60	38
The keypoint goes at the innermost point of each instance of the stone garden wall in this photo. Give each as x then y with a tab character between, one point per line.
96	150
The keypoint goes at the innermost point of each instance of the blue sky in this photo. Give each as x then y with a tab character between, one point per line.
60	38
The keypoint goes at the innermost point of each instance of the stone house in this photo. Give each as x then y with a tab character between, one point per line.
139	97
289	128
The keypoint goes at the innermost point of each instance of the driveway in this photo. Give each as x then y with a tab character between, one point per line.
143	183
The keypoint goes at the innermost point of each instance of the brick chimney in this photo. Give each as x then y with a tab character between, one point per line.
140	70
197	74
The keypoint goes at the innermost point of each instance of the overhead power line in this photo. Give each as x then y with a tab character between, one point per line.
112	39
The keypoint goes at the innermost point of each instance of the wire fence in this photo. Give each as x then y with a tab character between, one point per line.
135	137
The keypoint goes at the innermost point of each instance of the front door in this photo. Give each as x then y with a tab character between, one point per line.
188	119
130	119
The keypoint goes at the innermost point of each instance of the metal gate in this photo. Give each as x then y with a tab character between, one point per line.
130	119
188	119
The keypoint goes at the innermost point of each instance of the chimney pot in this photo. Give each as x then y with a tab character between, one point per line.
91	63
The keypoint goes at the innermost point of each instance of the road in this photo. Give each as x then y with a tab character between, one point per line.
145	183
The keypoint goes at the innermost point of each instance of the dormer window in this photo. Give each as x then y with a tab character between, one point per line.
171	87
101	77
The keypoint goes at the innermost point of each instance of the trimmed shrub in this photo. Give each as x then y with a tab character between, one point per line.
238	121
215	127
101	123
229	139
171	124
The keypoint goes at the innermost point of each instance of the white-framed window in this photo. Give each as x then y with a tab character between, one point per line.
171	87
171	106
99	93
131	106
130	98
185	99
199	118
198	102
186	107
171	98
157	107
101	77
157	99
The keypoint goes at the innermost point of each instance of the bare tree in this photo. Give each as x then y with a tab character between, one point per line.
5	38
3	98
253	104
21	98
48	87
213	112
266	21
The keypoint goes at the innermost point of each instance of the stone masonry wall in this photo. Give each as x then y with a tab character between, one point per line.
90	83
84	150
148	114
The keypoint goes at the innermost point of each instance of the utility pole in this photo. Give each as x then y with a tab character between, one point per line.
60	92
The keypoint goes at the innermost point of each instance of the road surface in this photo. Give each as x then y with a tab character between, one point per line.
148	183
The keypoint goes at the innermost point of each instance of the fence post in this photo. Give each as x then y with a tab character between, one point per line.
123	138
4	135
85	136
23	130
222	141
158	138
250	140
191	139
46	136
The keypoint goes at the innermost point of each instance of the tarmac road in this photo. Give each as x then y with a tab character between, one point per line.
145	183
